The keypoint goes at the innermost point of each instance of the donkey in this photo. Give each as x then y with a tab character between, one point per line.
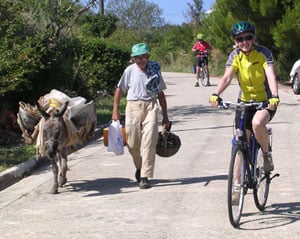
55	139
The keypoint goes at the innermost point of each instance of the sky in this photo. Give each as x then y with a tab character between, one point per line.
174	10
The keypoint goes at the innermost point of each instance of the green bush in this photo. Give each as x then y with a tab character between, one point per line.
100	66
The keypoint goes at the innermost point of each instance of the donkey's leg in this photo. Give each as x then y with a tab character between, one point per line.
55	173
63	169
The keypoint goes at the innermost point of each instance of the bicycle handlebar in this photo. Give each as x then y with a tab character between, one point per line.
201	53
227	104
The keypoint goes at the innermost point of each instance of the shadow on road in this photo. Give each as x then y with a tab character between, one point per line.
276	215
185	181
195	109
108	186
101	186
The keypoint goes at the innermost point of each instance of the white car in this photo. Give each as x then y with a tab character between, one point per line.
295	74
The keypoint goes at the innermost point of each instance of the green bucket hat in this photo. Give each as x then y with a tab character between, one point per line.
139	49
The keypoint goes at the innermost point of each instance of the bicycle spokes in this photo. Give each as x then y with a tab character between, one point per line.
204	76
236	185
262	183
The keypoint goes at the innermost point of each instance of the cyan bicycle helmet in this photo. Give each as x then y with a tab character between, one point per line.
242	27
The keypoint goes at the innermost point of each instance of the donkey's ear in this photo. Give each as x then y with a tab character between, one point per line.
62	110
42	111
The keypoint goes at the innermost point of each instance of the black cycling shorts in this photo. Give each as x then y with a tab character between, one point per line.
249	113
201	61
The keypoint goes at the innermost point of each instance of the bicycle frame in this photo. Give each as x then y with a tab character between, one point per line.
249	149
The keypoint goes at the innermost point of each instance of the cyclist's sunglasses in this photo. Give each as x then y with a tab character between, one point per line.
246	38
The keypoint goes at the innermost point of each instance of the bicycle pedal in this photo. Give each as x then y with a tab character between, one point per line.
274	176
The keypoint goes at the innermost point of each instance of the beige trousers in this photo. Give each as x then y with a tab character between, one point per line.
142	134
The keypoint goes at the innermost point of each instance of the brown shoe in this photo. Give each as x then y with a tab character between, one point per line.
144	183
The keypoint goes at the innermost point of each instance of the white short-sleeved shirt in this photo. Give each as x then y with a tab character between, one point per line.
142	85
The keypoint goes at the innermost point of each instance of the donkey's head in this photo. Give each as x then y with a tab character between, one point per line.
54	130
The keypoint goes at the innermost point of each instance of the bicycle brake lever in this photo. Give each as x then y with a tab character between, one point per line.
260	106
224	105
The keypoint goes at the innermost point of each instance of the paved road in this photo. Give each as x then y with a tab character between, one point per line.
188	200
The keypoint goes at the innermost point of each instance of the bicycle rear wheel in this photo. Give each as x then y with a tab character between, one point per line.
236	185
262	183
204	77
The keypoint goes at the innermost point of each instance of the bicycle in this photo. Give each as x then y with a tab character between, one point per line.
203	74
246	167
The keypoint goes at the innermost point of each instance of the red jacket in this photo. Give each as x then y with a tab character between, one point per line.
202	46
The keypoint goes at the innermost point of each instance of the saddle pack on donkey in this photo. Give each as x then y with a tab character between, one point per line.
56	125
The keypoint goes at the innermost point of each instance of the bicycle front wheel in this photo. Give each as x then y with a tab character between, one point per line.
236	184
262	183
204	77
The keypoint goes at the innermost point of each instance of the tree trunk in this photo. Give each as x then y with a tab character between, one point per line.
101	7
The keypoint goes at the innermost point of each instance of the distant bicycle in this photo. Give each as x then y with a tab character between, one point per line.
202	57
203	75
246	167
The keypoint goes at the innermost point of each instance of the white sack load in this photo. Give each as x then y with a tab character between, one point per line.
80	118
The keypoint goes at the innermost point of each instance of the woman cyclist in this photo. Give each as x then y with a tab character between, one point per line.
254	66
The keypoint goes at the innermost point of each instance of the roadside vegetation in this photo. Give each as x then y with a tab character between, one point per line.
82	49
14	155
15	152
104	109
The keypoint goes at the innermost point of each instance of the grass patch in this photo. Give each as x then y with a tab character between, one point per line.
11	156
104	109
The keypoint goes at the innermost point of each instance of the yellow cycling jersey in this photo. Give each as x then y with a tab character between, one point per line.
251	72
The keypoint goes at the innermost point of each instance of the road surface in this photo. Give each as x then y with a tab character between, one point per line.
188	197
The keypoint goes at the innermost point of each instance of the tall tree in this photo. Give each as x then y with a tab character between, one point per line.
98	25
195	12
136	14
58	17
286	35
275	21
101	7
264	14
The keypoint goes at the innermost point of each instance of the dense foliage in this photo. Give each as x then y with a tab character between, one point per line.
40	52
67	46
276	22
42	49
136	14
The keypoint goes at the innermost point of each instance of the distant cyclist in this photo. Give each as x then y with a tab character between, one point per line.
254	66
201	48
